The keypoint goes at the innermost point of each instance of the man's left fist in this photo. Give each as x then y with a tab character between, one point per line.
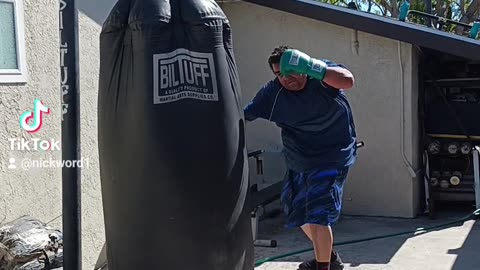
297	62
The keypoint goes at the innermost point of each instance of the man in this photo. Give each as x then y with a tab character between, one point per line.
307	102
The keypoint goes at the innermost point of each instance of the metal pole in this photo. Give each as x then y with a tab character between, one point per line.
476	176
70	135
428	9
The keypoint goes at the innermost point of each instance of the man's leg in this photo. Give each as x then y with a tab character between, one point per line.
323	206
307	230
322	244
335	260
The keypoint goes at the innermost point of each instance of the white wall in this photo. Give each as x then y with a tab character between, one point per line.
380	183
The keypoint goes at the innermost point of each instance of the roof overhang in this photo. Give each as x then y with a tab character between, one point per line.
374	24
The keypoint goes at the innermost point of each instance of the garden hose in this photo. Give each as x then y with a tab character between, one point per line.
474	215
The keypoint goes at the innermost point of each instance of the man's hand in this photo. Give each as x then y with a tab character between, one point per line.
295	61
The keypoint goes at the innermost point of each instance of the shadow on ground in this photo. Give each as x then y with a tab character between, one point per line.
454	247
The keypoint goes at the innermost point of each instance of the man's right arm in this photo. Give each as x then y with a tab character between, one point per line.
259	106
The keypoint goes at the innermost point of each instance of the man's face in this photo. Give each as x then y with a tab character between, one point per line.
292	82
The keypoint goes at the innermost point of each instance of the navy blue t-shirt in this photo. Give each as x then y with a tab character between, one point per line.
316	123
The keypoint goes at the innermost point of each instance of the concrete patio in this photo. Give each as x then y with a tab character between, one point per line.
456	247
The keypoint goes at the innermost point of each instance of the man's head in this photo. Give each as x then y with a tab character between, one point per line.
292	82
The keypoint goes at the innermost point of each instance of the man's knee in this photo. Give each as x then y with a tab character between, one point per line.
319	227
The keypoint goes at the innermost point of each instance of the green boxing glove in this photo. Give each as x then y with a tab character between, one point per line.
295	61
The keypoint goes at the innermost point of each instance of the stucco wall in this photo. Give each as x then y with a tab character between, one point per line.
38	192
380	183
35	192
92	14
92	212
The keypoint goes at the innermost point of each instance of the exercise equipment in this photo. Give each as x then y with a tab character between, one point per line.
173	162
260	199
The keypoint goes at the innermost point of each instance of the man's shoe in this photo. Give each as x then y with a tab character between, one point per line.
308	265
335	263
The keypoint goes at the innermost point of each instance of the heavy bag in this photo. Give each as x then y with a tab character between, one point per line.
171	143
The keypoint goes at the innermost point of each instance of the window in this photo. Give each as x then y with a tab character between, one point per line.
12	44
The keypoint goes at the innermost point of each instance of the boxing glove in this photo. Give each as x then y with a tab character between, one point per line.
297	62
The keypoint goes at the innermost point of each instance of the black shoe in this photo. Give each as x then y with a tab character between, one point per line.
335	263
308	265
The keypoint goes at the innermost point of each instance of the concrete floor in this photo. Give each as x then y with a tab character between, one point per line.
456	247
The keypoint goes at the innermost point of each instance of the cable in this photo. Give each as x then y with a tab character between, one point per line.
5	210
50	221
274	103
474	215
410	168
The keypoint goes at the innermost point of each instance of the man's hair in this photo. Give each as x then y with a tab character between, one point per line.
276	54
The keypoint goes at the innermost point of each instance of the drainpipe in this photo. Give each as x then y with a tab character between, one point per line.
70	134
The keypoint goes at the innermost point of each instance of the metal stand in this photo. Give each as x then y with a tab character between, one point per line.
428	200
259	199
259	242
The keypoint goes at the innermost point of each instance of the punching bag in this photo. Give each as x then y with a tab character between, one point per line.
173	163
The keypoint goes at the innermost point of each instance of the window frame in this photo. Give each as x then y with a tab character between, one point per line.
19	75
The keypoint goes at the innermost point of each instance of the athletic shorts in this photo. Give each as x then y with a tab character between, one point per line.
313	197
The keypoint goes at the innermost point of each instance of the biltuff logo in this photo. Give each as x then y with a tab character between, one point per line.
184	74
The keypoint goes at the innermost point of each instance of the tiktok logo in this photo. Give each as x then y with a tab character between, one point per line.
36	115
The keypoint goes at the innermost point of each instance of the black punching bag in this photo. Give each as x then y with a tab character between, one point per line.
171	143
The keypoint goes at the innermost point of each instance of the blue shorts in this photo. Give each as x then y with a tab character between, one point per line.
313	197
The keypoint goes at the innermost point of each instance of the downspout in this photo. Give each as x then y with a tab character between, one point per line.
68	18
408	164
355	42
